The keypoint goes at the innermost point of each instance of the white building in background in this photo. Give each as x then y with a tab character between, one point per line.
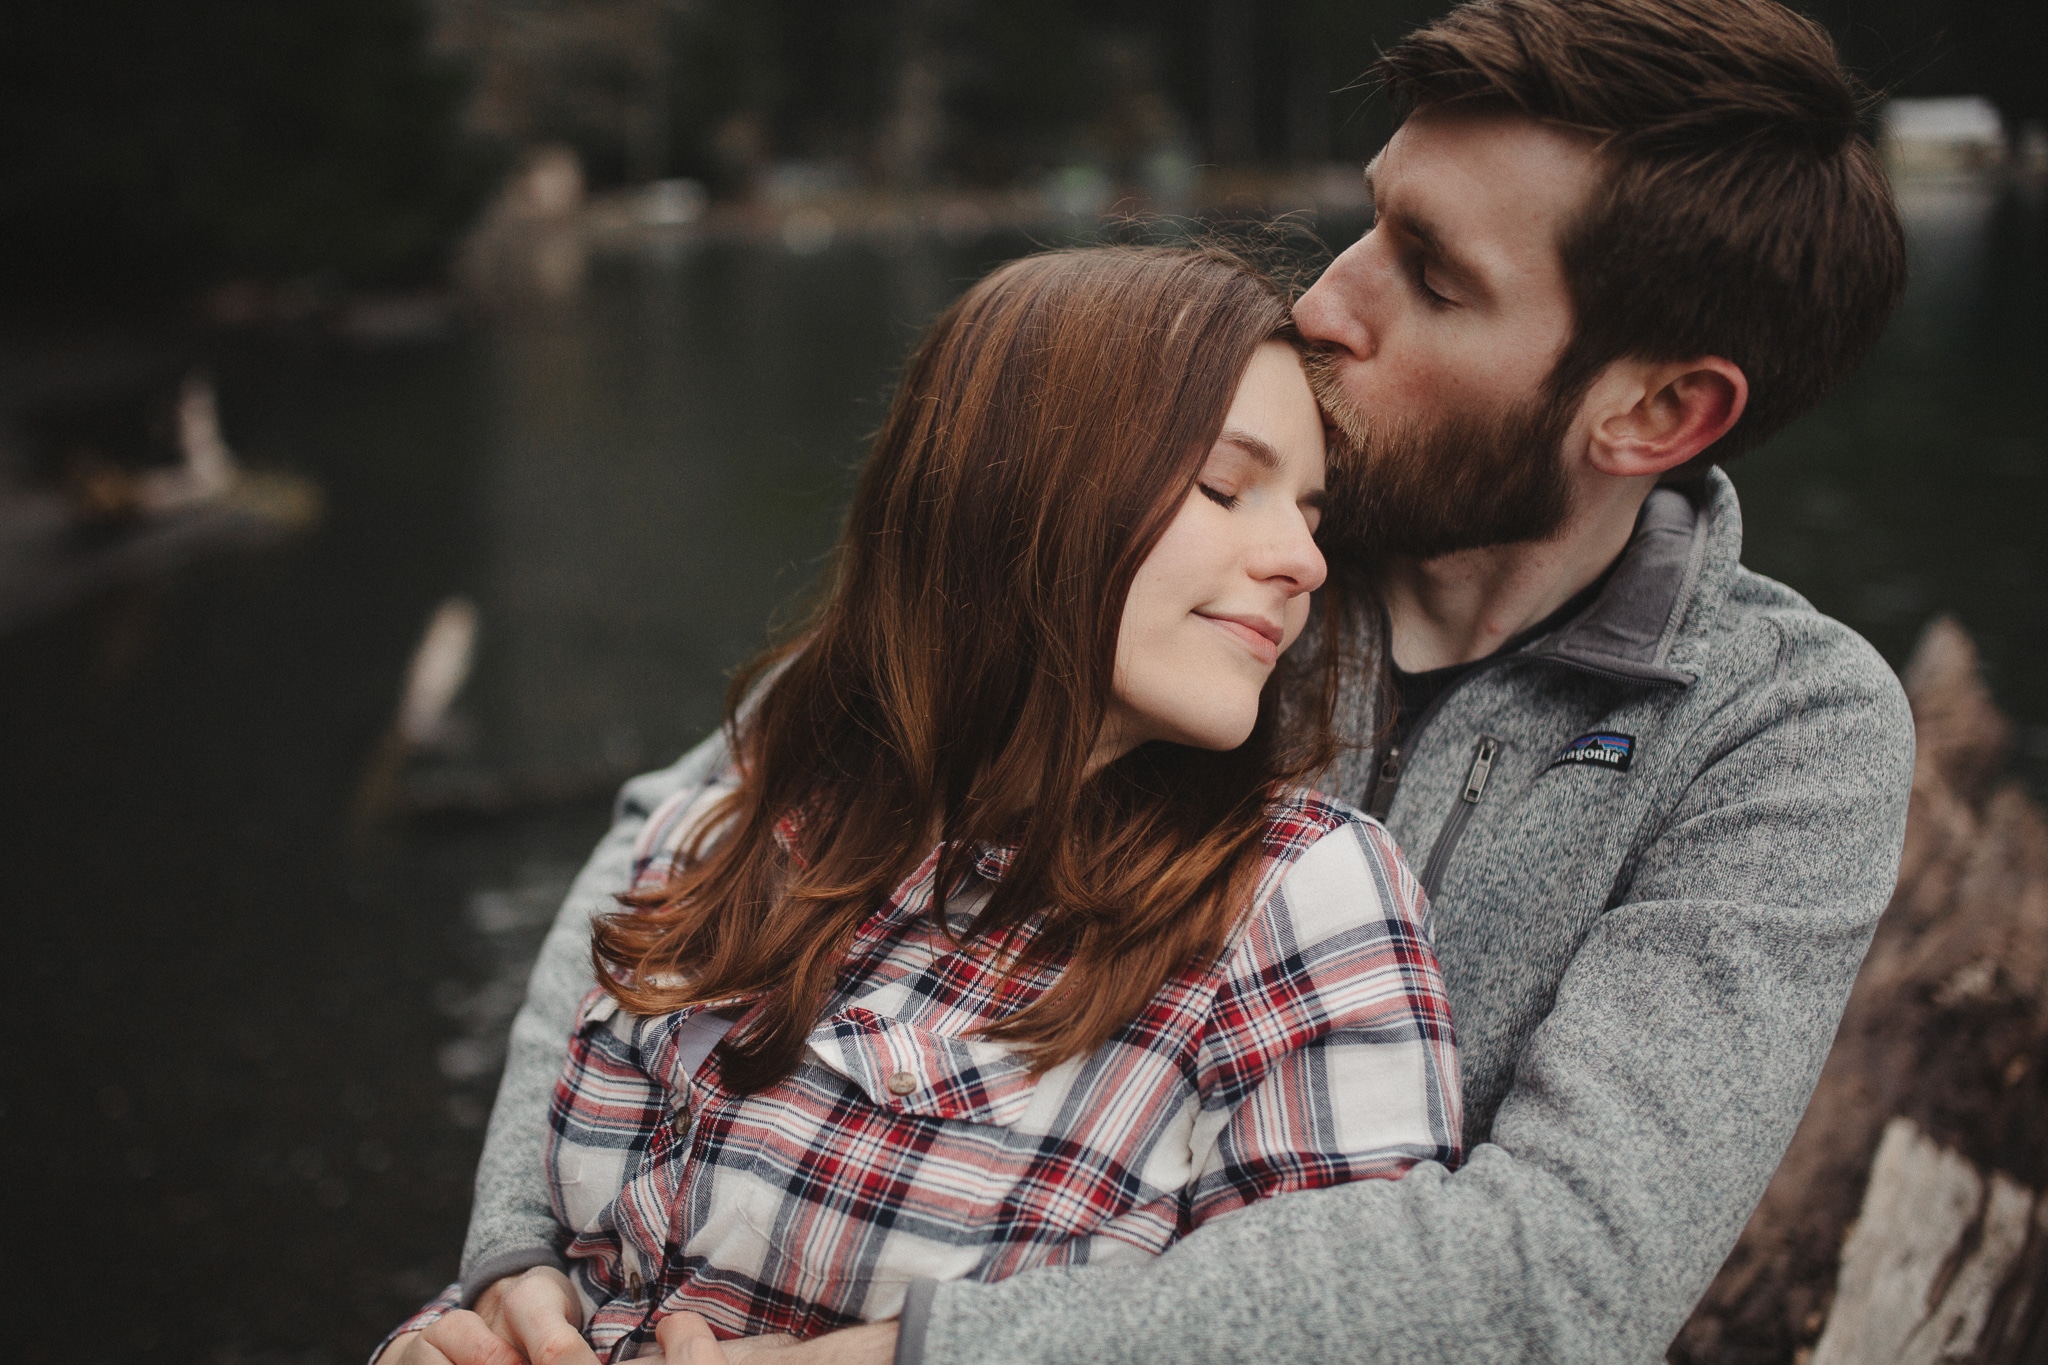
1953	136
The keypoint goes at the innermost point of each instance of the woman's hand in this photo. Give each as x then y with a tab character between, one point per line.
686	1339
532	1317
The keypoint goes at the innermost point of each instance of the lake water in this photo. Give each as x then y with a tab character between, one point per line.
252	1039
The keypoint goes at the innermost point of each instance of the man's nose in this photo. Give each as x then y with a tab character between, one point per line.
1333	312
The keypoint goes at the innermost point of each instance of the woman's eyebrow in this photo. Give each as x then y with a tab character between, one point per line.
1262	454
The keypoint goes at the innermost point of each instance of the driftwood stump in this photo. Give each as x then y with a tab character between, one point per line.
1906	1223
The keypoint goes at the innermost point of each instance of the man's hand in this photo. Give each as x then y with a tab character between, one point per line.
531	1317
686	1339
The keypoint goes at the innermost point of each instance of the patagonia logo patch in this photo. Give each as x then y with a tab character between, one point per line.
1601	749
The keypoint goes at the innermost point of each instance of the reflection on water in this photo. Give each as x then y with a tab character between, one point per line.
1921	486
509	921
253	1050
667	456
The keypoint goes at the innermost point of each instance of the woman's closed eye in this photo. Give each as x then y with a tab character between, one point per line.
1226	500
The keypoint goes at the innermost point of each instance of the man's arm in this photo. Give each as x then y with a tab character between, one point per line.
511	1226
1647	1114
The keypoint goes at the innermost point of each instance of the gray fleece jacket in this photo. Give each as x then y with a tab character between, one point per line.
1656	840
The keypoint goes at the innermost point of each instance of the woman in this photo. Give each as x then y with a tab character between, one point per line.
1017	934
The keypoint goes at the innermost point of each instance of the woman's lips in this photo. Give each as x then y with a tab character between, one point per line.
1259	636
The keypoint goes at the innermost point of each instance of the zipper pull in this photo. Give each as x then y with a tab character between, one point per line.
1384	784
1482	768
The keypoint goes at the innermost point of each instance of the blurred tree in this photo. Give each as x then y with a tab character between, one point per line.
1995	48
991	91
151	147
1021	98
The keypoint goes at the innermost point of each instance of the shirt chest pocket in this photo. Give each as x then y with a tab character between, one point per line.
913	1071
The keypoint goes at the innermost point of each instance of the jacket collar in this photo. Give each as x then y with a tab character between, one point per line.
1684	551
1632	627
1641	629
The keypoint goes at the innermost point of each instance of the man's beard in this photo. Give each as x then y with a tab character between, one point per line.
1422	489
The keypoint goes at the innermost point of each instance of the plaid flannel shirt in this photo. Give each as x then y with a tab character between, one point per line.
1317	1050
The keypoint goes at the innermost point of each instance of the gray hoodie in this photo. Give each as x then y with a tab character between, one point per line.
1656	840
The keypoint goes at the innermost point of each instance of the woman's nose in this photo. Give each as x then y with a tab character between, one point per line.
1293	559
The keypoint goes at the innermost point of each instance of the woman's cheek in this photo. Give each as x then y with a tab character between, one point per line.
1295	620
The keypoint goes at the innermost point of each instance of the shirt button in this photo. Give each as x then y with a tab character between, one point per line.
902	1083
679	1122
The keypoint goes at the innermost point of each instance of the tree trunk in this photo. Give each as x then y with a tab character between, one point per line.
1905	1223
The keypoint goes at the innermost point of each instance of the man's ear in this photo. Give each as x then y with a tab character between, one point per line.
1647	417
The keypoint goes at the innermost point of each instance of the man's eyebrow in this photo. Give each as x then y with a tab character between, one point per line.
1262	454
1430	237
1426	234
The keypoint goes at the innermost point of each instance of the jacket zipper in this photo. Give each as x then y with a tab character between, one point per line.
1461	813
1384	784
1387	781
1387	778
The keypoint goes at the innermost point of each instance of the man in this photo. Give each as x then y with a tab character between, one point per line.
1657	800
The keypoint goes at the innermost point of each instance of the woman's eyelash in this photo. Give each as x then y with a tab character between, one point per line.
1227	501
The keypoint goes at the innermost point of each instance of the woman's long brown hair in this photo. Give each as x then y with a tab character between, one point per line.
951	684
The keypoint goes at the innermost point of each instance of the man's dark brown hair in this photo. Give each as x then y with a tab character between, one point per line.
1744	214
